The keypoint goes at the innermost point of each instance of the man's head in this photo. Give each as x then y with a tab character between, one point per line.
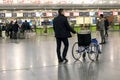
61	11
101	15
25	20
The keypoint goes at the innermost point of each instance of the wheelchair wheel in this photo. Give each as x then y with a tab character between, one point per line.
93	52
76	51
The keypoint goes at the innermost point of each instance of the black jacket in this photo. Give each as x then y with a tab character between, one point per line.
61	27
10	28
25	26
106	22
15	27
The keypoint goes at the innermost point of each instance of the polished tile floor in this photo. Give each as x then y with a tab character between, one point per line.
35	59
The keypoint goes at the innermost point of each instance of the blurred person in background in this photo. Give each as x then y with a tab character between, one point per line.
106	26
7	29
101	25
11	29
25	28
15	30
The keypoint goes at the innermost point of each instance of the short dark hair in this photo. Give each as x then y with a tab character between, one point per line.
25	20
60	10
101	15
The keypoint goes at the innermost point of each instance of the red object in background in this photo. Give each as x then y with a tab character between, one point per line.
49	14
115	13
67	14
75	13
100	12
37	1
7	1
62	2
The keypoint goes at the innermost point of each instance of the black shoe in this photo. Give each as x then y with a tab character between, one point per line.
104	42
101	43
65	60
60	61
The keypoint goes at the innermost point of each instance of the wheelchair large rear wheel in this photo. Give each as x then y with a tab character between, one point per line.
93	52
77	51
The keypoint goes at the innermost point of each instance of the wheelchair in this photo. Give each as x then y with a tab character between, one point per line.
85	45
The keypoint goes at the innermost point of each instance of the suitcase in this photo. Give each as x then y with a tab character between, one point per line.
3	34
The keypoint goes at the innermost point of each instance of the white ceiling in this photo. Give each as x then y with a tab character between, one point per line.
38	2
55	4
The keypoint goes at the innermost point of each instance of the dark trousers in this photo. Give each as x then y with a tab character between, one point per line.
0	33
15	35
66	44
106	32
7	33
11	34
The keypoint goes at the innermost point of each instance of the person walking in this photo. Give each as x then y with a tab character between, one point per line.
102	29
11	29
106	26
62	31
25	28
15	30
7	29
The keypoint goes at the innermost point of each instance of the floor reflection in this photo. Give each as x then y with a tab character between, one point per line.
64	72
81	71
